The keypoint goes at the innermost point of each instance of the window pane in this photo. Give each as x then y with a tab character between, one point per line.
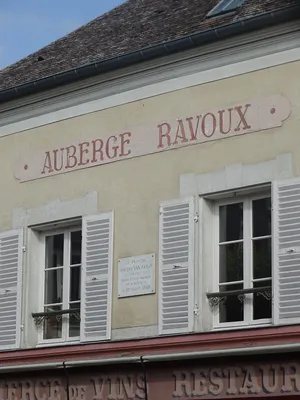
75	248
75	285
231	222
225	6
54	251
53	286
53	324
231	262
231	309
74	321
262	306
261	217
261	258
232	4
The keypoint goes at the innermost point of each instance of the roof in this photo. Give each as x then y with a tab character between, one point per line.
132	26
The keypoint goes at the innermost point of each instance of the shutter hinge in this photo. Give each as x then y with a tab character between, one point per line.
196	310
196	217
23	249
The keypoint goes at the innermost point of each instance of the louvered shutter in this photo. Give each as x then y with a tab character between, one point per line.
176	266
97	266
10	288
286	259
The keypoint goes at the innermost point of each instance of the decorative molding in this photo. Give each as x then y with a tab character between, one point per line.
218	298
56	210
39	318
236	176
276	335
239	57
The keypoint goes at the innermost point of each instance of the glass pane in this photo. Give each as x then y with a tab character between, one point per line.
75	283
231	308
262	258
74	321
231	222
262	306
261	217
53	286
53	324
55	251
232	5
231	262
75	248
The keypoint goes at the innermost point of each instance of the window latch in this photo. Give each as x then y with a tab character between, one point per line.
196	310
291	250
196	217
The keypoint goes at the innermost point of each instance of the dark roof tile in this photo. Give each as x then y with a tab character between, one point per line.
133	25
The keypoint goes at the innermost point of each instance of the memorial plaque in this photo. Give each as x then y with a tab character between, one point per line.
136	275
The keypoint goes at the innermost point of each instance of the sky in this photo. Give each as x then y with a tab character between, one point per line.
28	25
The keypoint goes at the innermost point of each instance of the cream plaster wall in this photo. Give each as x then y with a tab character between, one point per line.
133	188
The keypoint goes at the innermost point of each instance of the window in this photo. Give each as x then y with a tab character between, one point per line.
225	6
243	260
62	285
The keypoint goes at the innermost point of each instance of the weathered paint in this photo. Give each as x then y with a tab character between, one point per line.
180	381
258	337
223	122
134	189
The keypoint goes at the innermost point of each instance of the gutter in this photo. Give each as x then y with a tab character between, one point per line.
141	359
174	46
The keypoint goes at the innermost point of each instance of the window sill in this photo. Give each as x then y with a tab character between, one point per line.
242	327
57	344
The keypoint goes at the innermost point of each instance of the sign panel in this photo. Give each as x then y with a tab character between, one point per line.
136	275
225	121
227	381
193	382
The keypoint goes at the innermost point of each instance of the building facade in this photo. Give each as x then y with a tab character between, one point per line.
150	222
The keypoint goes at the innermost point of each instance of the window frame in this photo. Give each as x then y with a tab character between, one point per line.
246	199
223	10
66	284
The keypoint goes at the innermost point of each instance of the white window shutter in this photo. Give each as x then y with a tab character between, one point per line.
11	243
286	252
97	268
176	266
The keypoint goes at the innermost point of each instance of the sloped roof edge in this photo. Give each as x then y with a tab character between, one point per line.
171	47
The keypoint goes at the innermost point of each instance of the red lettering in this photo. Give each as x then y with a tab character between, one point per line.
108	147
221	116
83	151
123	142
47	164
180	130
192	131
242	117
164	135
97	148
214	124
55	159
71	157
